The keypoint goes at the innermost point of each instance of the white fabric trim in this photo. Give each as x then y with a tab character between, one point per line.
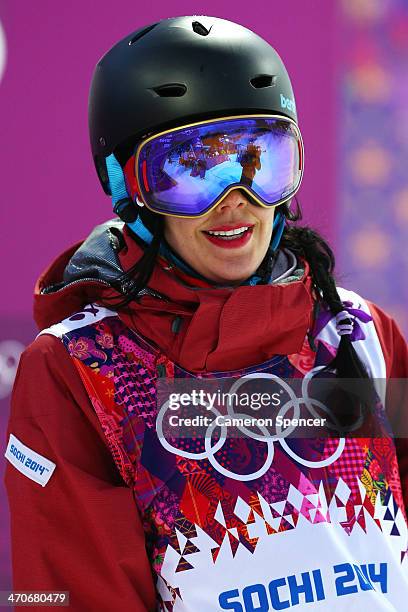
91	314
369	350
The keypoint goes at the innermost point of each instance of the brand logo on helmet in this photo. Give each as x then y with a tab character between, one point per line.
287	103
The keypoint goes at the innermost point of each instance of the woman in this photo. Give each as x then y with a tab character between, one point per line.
203	277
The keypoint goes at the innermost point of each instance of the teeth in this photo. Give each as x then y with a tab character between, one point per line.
234	232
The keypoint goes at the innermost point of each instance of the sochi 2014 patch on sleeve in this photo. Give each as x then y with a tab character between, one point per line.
28	462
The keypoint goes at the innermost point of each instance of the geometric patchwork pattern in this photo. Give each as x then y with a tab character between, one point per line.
190	509
254	520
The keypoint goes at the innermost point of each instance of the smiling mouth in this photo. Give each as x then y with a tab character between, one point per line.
230	234
230	237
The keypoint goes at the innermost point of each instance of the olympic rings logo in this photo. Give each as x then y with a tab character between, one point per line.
294	403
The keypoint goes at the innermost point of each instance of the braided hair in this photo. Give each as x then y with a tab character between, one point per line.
309	245
349	405
137	277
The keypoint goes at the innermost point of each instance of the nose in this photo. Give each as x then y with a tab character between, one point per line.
235	199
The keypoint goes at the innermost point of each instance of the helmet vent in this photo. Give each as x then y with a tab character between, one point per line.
263	80
200	29
142	33
170	90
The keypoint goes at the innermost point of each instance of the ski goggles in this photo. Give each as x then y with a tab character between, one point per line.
187	171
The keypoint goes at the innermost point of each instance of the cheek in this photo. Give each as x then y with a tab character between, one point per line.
179	232
267	223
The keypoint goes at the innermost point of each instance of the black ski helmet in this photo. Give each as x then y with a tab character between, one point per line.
180	70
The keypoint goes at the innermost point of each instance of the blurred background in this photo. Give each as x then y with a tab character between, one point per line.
348	61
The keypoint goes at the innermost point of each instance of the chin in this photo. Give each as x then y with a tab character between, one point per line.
230	277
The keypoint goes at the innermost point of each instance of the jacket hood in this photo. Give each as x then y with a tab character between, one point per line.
79	275
202	328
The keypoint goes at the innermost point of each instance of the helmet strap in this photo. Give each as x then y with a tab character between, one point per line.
279	223
122	204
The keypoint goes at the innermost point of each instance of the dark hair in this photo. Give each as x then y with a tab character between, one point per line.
134	280
309	245
350	404
306	244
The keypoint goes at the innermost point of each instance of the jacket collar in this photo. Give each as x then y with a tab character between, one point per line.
202	328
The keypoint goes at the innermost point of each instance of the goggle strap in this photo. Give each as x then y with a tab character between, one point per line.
120	196
141	230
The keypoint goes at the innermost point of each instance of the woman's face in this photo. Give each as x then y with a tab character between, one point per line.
224	259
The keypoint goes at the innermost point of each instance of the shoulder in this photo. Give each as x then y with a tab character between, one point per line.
356	306
383	322
45	354
48	352
88	316
353	299
382	334
393	343
372	332
47	375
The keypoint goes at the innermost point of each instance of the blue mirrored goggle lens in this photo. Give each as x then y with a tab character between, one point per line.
185	171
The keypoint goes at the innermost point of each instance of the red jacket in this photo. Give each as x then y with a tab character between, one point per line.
82	532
